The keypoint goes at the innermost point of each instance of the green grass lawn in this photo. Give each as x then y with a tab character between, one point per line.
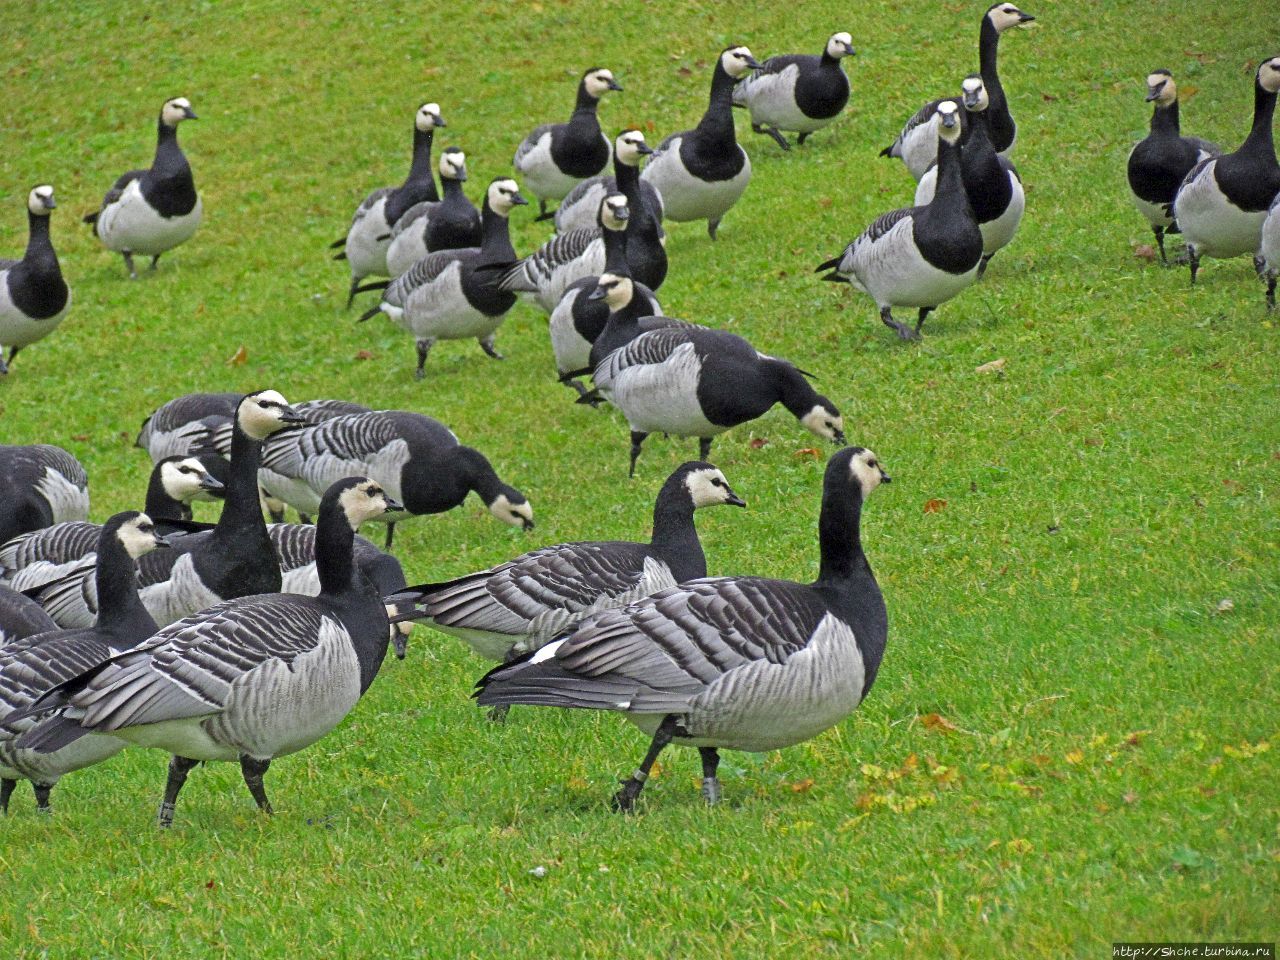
1067	742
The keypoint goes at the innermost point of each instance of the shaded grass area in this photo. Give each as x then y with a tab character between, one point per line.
1066	744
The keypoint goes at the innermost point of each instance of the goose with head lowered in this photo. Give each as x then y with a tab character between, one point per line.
990	181
701	173
30	667
580	209
917	145
737	663
457	294
918	256
33	295
1158	165
1222	203
418	460
518	606
149	212
369	236
555	156
451	223
40	485
797	92
249	679
20	616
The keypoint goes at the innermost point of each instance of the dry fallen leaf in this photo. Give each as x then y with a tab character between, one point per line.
1075	756
1131	797
935	506
80	437
1145	251
757	443
363	355
808	452
936	721
802	786
1020	846
995	366
239	358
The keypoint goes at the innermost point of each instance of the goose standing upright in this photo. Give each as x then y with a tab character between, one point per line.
21	617
250	679
918	256
40	485
33	666
580	209
1158	164
555	156
917	145
738	663
797	92
151	211
449	224
1222	203
457	294
701	173
369	236
33	295
990	181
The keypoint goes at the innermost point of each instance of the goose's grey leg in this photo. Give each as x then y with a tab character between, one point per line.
713	226
42	797
542	211
1193	258
800	139
128	262
637	438
486	344
1271	293
391	532
778	138
154	261
624	801
424	347
982	264
179	767
351	293
304	518
253	771
1159	232
903	331
704	448
6	791
924	312
710	782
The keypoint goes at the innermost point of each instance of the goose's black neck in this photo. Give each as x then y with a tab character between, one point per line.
169	160
335	543
717	122
495	237
120	609
585	105
675	538
988	54
242	510
949	190
160	505
615	252
453	194
477	473
420	170
840	533
794	391
39	244
1260	142
1164	121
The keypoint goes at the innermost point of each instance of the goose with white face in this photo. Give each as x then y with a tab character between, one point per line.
973	93
428	117
266	412
865	467
40	200
614	290
1006	15
599	82
504	196
630	147
175	111
1269	75
516	513
825	423
614	212
138	536
1161	89
709	488
737	62
453	164
948	121
367	501
188	480
840	45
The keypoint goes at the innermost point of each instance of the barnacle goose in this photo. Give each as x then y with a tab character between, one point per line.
1222	203
690	381
451	223
566	257
30	667
369	236
1269	252
738	663
249	679
581	314
457	294
518	606
234	558
580	209
40	485
33	295
918	256
41	556
555	156
151	211
797	92
417	459
917	145
701	173
1158	164
20	617
990	181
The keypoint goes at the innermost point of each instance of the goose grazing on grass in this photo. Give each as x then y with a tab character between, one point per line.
567	257
21	617
450	224
917	145
30	667
797	92
149	212
1223	201
580	210
369	236
518	606
457	294
417	459
1159	164
701	173
990	181
555	156
1269	252
40	485
690	381
918	256
737	663
33	295
249	679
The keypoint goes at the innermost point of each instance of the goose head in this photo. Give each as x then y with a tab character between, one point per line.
175	111
1269	75
40	200
707	486
973	93
598	81
737	62
949	121
361	500
1161	89
504	196
865	468
186	479
511	507
614	212
840	45
1006	15
629	147
614	290
263	413
136	533
453	164
824	421
428	118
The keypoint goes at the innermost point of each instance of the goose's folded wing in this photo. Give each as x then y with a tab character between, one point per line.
346	440
530	273
36	664
884	223
118	188
530	143
411	216
369	202
654	346
61	543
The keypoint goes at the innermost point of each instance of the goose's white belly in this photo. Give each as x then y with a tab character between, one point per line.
1270	248
294	491
572	351
892	270
1212	223
365	252
541	175
440	310
772	101
133	225
16	328
46	768
684	196
663	397
407	249
997	233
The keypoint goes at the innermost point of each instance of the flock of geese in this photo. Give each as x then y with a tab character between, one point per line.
244	640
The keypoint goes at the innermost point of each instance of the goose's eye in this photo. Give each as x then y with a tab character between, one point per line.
872	463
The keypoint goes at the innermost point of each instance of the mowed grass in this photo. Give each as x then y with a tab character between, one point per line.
1067	742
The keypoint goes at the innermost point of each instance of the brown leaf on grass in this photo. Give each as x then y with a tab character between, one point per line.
1048	98
1020	846
684	72
1144	251
1187	92
363	355
1093	441
239	358
80	437
757	443
1075	756
1131	797
994	366
936	721
825	203
802	786
1135	739
935	505
809	452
